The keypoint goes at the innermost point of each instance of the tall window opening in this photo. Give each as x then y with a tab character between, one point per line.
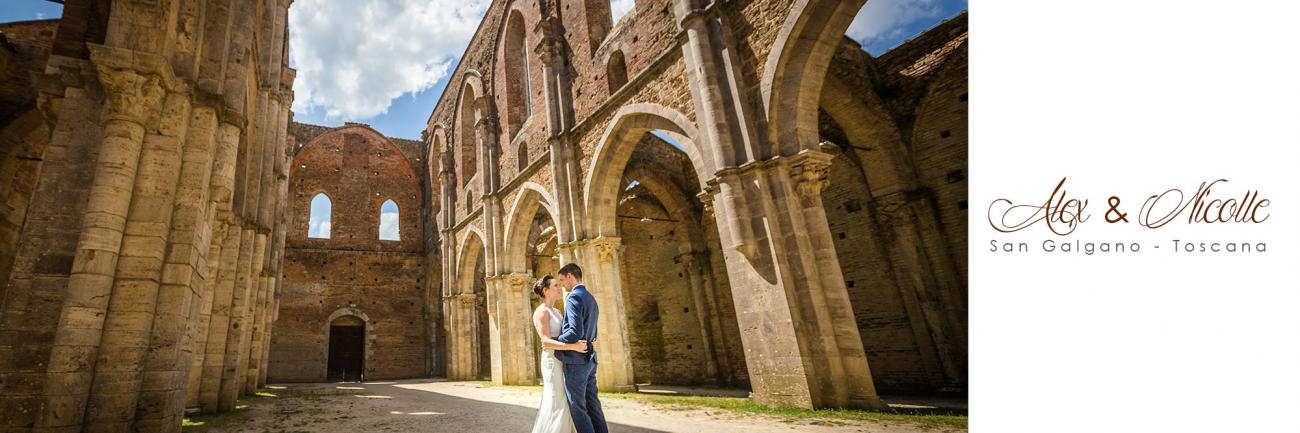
388	222
616	72
318	225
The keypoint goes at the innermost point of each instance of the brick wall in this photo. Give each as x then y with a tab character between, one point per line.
359	170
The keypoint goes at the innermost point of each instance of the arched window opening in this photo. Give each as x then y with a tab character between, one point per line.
468	137
517	72
388	222
616	72
523	156
318	224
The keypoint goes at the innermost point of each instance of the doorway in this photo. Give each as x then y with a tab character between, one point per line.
347	349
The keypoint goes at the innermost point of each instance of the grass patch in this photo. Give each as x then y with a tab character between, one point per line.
203	422
792	414
938	420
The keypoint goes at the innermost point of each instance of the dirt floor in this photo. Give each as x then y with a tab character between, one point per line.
432	405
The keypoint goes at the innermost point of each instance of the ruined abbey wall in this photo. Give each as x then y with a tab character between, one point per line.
813	191
353	272
151	161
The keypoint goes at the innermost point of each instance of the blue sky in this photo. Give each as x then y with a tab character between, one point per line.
25	10
385	62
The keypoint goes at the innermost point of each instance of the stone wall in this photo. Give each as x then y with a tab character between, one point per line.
848	254
353	272
152	147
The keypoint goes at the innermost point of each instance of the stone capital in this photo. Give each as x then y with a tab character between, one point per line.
810	170
517	282
466	299
607	248
130	95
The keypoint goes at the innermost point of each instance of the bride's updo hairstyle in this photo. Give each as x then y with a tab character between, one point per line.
542	284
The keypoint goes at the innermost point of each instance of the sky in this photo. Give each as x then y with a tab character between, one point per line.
386	62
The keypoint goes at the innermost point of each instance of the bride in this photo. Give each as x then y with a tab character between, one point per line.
553	415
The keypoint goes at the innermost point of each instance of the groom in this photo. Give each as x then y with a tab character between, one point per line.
580	316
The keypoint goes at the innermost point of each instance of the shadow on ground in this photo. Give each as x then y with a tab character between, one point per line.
375	407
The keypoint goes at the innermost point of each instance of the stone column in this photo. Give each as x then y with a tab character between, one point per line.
463	335
601	260
931	293
204	323
565	169
222	191
231	371
133	96
809	353
510	321
135	300
693	263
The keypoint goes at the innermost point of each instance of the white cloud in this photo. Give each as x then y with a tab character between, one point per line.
618	8
881	19
318	229
388	226
354	57
40	15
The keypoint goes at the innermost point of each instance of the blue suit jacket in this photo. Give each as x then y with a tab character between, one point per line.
580	316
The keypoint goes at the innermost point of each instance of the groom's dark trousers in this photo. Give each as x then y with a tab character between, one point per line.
580	317
580	382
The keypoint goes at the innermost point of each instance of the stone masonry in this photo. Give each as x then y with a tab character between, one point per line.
143	231
756	203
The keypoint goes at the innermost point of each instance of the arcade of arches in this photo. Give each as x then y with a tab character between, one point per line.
756	202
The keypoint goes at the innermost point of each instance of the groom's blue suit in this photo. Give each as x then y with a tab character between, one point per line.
580	316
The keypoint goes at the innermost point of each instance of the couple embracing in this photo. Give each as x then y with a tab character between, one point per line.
569	401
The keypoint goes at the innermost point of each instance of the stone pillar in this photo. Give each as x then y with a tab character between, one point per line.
809	353
462	337
510	321
135	302
701	282
931	293
232	371
565	168
204	323
601	260
222	191
133	95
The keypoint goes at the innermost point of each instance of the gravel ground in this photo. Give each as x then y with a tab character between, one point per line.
433	405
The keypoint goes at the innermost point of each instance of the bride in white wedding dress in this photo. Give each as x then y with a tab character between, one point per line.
553	416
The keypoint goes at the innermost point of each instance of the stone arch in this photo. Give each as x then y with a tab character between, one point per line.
675	202
384	142
603	180
472	249
796	68
357	152
873	137
530	199
369	337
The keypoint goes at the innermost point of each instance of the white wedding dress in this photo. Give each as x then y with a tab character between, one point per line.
553	416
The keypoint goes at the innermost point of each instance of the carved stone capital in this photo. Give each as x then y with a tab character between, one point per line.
607	248
485	130
517	282
810	170
706	195
467	299
130	95
550	50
